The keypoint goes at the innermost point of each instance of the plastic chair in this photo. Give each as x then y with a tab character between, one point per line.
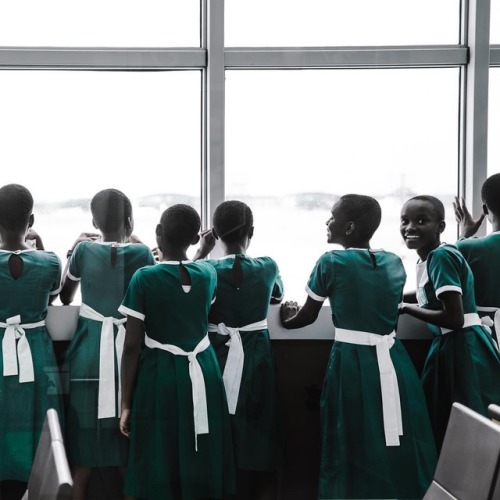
50	477
469	462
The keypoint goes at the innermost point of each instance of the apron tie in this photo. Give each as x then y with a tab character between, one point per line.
107	397
199	394
15	330
233	370
391	403
470	319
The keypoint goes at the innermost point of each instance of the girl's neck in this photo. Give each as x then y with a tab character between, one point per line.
423	253
170	252
495	223
114	236
13	241
357	244
234	248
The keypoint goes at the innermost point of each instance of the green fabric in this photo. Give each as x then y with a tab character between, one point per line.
163	463
24	406
255	425
90	441
463	365
365	289
483	257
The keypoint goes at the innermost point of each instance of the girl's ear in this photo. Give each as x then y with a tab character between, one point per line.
158	230
350	226
31	220
94	224
250	233
485	209
214	233
129	224
195	239
442	226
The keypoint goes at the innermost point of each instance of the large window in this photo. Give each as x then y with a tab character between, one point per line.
297	140
494	122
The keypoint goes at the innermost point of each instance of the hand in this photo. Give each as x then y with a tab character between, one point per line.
468	226
85	237
133	239
288	310
207	242
157	254
125	423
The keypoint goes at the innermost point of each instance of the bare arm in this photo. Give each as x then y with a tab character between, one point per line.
410	297
207	244
451	316
292	316
130	360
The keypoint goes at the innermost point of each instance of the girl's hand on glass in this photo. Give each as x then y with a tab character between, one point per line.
207	242
467	224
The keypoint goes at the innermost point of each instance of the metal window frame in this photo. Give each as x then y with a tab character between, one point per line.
472	55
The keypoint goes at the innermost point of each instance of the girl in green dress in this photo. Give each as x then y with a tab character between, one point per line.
463	364
376	436
245	288
174	407
29	376
104	268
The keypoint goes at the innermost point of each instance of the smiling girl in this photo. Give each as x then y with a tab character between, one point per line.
463	364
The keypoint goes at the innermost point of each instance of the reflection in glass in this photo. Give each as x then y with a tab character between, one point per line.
494	121
296	140
67	135
100	23
259	23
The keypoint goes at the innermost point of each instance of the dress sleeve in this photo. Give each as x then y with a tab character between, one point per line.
318	287
133	303
278	290
74	270
56	287
444	272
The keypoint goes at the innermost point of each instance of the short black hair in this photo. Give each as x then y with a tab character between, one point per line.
435	203
16	207
233	220
490	193
364	211
181	223
110	209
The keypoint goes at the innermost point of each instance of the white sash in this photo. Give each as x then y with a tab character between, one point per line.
391	404
15	330
200	411
470	319
487	321
235	358
107	395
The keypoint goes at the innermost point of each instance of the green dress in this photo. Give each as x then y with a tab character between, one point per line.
365	288
464	365
483	257
255	422
163	462
104	271
24	405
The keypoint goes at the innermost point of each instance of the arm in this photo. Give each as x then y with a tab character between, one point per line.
451	316
410	297
292	316
467	225
207	244
34	236
130	360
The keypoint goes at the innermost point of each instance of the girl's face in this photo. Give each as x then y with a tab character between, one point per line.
421	227
336	226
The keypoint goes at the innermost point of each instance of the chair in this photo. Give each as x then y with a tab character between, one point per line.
469	462
50	477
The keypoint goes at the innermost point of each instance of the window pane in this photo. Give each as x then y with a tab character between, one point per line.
495	22
494	122
296	140
67	135
100	23
338	22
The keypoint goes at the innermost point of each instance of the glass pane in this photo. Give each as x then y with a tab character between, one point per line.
67	135
494	122
261	23
100	23
296	140
495	22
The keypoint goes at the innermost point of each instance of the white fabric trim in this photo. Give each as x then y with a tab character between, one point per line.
55	292
470	319
233	370
71	277
130	312
112	243
174	262
448	288
314	296
186	288
199	394
213	300
17	252
12	354
391	404
108	396
278	298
